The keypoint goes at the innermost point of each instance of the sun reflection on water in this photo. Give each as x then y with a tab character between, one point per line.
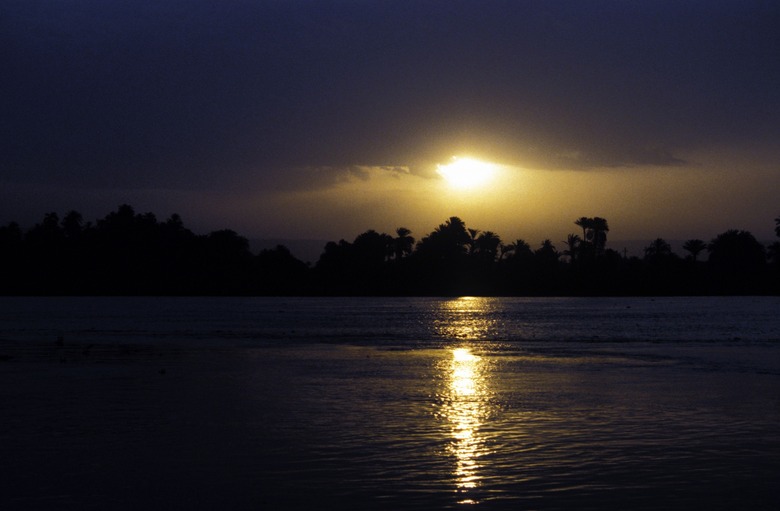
466	406
466	318
465	414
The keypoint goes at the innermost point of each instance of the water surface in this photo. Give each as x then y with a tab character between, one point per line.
404	403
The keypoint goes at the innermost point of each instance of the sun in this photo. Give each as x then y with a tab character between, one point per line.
467	173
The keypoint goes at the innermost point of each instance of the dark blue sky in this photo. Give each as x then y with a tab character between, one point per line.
198	106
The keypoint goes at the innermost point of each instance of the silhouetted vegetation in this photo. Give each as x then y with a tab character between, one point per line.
127	253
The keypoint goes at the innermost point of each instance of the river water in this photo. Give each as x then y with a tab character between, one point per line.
390	403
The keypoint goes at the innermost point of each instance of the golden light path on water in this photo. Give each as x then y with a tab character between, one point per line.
465	418
467	405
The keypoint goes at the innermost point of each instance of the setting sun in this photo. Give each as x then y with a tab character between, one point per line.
467	173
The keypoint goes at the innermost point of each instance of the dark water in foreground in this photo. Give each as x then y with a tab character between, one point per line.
412	403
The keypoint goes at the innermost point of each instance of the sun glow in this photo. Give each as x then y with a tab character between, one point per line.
467	173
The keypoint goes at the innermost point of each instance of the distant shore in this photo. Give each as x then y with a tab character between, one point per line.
132	254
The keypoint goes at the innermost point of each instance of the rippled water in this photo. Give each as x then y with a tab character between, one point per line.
405	403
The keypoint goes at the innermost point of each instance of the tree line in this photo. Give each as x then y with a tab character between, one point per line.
127	253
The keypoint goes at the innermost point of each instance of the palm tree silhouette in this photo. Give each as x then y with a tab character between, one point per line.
486	246
449	241
72	224
473	233
573	242
599	229
585	223
694	247
504	249
657	249
547	251
522	250
403	243
594	232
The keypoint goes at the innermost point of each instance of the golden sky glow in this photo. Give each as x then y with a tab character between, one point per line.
532	204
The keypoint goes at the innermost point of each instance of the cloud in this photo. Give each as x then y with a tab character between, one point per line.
313	178
625	158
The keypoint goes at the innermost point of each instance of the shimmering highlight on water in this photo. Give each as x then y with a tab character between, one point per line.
465	410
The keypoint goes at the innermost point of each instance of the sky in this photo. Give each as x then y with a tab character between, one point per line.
322	119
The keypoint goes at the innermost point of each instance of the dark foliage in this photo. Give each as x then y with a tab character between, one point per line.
134	254
127	253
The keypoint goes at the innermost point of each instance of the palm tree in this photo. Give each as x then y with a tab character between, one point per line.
522	249
599	229
449	241
694	247
472	239
486	246
72	224
505	249
594	232
573	242
738	261
773	252
657	249
403	243
737	251
585	223
547	251
372	247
